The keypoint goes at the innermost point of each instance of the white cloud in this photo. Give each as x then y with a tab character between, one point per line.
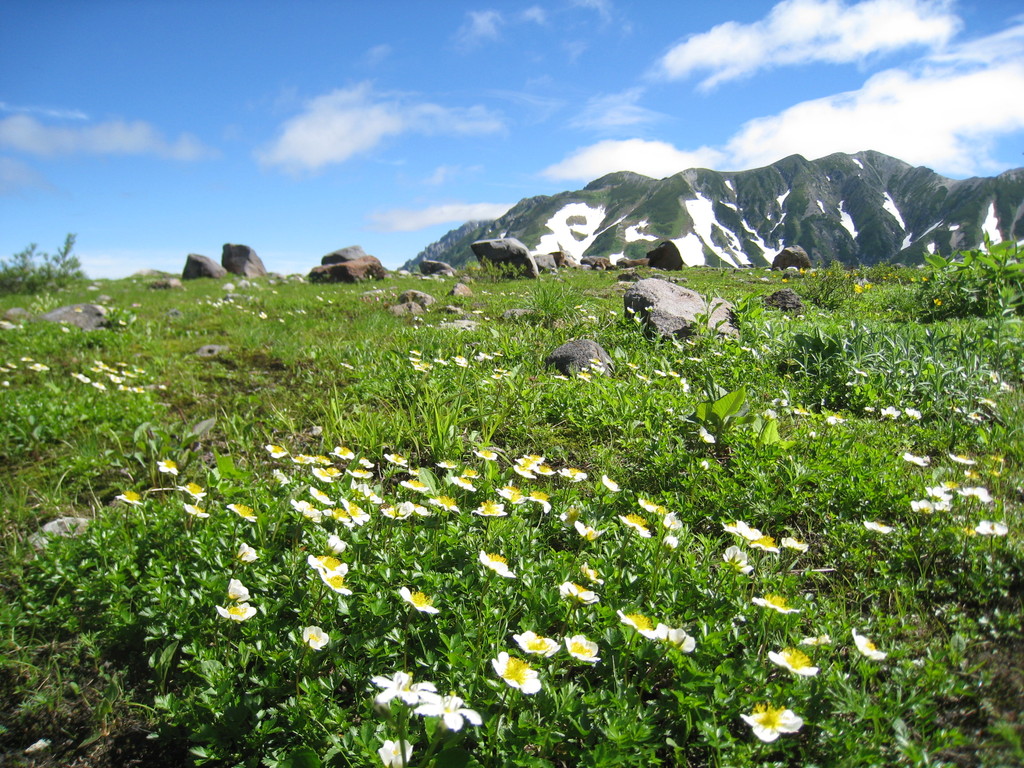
116	137
536	14
946	120
411	220
16	176
480	26
615	110
656	159
347	121
804	31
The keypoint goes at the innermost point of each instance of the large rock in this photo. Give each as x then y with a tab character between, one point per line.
671	310
62	526
197	266
428	267
665	256
577	355
242	260
596	262
166	284
366	268
786	300
508	254
545	261
417	297
563	259
340	256
88	317
792	256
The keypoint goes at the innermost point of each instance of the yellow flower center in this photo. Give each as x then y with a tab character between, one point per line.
777	601
336	581
497	559
132	496
538	644
640	621
765	541
328	562
516	670
420	600
636	520
795	658
768	716
237	610
580	649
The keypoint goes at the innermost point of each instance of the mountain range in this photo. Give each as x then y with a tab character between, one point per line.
865	208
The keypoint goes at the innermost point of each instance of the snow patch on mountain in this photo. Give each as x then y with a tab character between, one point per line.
890	205
633	233
691	249
572	238
782	198
847	220
821	205
991	225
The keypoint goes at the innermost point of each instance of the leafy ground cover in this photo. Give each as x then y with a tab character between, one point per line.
355	539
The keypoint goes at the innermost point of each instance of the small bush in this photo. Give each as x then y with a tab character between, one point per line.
979	283
30	272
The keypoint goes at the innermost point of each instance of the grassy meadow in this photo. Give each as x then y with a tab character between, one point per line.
356	539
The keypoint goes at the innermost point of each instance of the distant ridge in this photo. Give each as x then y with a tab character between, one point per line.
864	208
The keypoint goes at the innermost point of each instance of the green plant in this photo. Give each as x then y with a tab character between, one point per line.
983	283
30	272
830	288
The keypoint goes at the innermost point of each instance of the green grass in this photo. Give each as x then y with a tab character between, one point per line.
114	650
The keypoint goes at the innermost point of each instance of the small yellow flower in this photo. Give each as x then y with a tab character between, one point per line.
244	512
769	722
496	563
276	451
130	497
167	467
796	661
637	523
490	509
516	673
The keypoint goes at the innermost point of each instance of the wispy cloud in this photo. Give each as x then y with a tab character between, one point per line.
536	14
445	173
479	27
804	31
613	111
51	112
411	220
656	159
336	126
24	133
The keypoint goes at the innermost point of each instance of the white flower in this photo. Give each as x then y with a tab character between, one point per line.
581	648
989	528
769	722
577	594
873	525
740	528
795	544
817	640
675	637
496	563
921	461
401	687
394	753
794	661
449	709
961	459
866	647
912	413
610	484
516	673
736	559
706	436
890	412
979	493
315	638
418	600
246	554
237	591
237	611
531	642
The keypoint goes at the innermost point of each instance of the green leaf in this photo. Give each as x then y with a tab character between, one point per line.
730	404
303	757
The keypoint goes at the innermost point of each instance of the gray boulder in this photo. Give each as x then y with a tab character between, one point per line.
211	350
460	289
242	260
17	315
545	261
406	308
340	256
578	355
417	297
197	266
671	310
508	254
665	256
88	317
62	526
356	271
596	262
165	284
428	267
792	256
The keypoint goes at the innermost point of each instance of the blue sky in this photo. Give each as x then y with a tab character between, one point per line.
156	129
